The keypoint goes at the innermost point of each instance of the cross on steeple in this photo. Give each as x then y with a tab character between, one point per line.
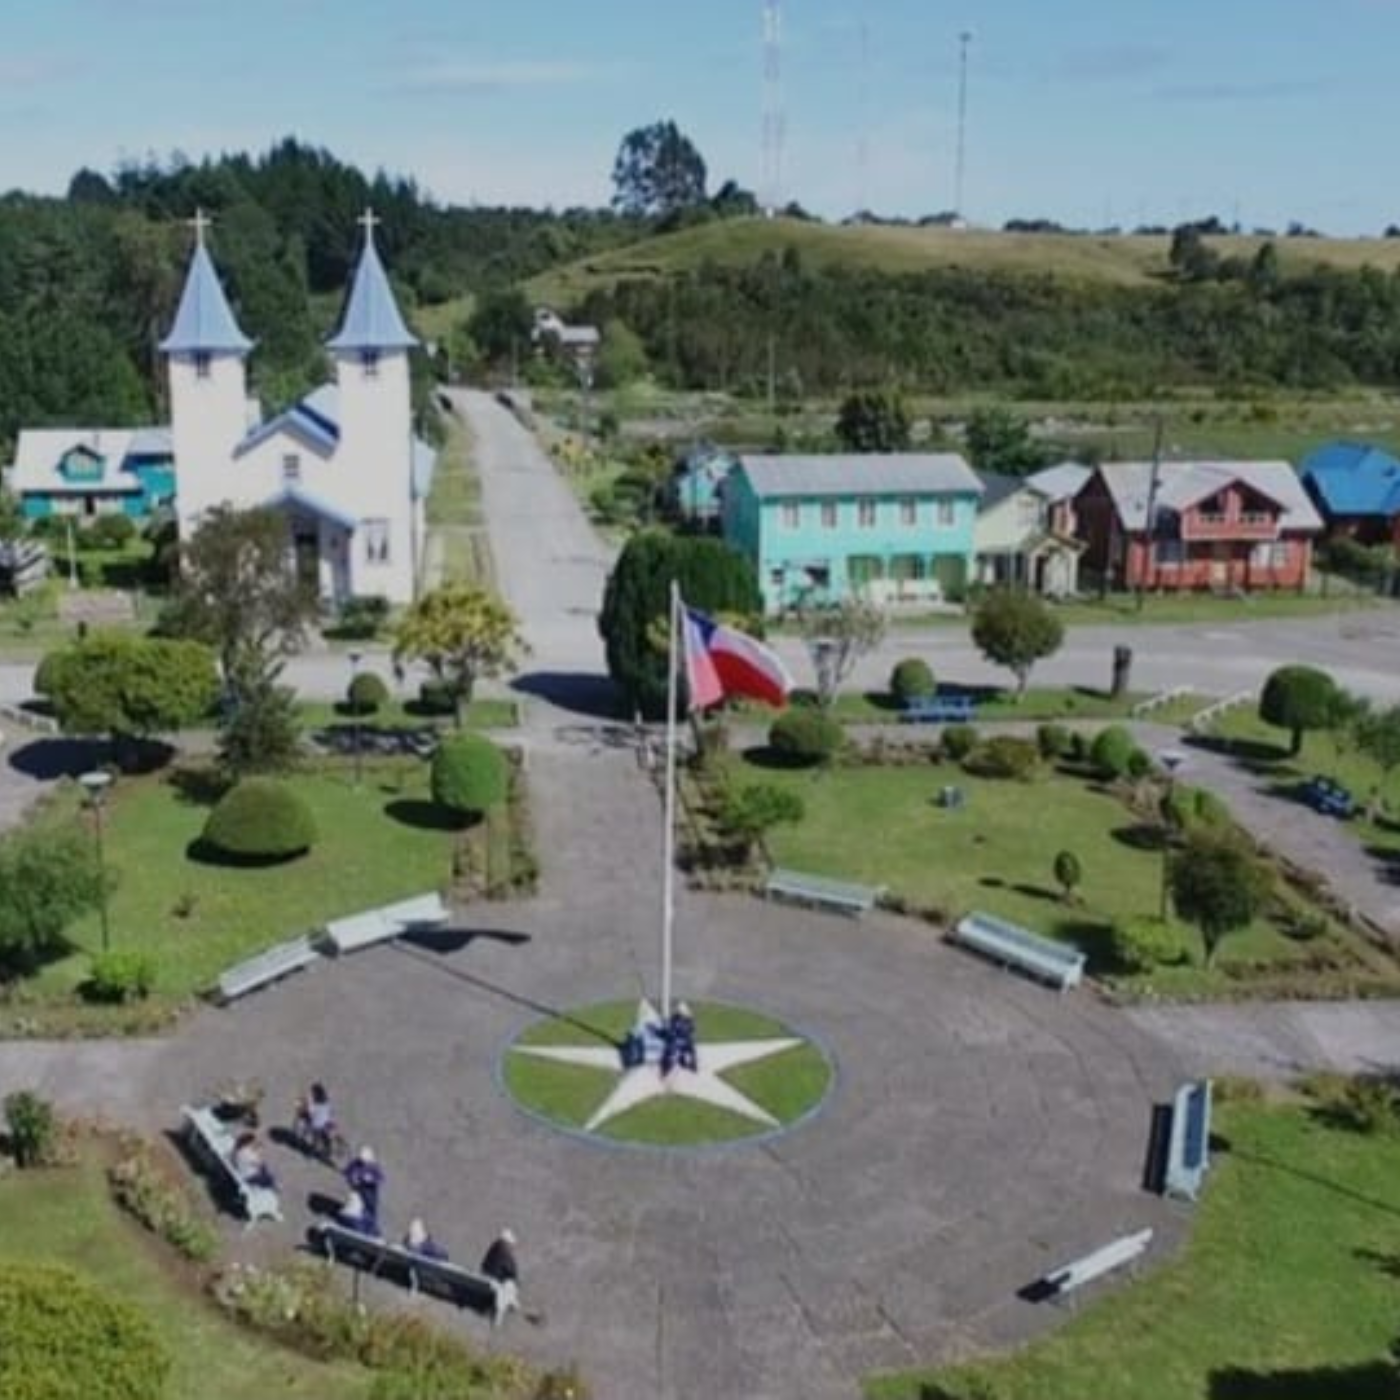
369	221
200	223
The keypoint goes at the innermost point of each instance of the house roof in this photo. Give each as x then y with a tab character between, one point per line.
204	323
861	474
1354	478
372	320
999	486
39	454
1062	481
1181	484
317	505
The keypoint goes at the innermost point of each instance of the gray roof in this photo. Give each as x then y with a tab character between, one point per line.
999	485
1062	481
861	474
1180	485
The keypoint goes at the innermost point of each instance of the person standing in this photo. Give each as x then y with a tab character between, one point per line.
500	1265
365	1176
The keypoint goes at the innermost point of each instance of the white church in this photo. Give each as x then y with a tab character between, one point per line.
343	464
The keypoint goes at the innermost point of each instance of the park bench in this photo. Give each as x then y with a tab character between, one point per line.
437	1277
375	925
1014	946
1064	1281
266	967
938	709
211	1140
818	890
1188	1141
1329	797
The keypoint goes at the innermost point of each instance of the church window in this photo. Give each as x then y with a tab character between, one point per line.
291	467
201	364
369	363
376	541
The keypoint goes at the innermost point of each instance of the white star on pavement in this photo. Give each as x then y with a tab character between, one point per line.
646	1081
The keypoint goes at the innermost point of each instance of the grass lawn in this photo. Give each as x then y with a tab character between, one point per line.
64	1216
1288	1290
378	842
1038	704
996	854
456	526
787	1085
494	713
1188	608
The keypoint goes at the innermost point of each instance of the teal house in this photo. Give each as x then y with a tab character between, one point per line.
892	528
697	482
92	471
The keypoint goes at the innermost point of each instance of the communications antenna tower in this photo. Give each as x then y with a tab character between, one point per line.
773	120
964	39
863	140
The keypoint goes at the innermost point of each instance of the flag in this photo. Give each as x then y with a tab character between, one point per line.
722	661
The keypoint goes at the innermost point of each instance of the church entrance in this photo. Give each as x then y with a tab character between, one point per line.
306	544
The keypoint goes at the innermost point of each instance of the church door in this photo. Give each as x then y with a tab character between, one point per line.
307	545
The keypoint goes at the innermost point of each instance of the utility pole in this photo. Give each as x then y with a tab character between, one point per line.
964	40
1151	522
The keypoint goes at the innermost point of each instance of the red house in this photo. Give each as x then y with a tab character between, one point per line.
1178	526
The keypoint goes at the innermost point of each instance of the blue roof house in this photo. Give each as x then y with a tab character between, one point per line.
1357	489
92	471
890	528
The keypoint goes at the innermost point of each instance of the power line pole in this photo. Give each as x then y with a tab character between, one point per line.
773	121
964	40
1150	532
863	139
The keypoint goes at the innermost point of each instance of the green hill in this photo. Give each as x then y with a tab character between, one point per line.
1122	260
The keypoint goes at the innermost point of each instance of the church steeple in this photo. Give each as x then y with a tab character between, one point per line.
204	323
372	321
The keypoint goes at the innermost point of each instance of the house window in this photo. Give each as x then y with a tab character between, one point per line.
369	363
376	541
792	515
908	568
291	467
828	515
946	512
865	514
909	512
862	569
1271	556
1029	510
1168	554
201	364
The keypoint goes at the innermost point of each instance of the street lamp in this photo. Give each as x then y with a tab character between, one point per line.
95	785
355	712
1171	761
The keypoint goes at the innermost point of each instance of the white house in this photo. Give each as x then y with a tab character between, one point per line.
1020	537
343	464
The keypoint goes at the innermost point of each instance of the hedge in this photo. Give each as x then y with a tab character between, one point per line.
470	774
805	737
261	819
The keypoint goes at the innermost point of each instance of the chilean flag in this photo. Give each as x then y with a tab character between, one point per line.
721	662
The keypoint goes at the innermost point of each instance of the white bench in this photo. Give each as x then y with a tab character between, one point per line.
266	967
375	925
437	1277
1188	1142
1065	1280
212	1140
817	889
1014	946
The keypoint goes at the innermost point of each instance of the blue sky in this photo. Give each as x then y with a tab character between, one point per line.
1087	111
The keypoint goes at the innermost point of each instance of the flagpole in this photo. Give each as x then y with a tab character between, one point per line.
668	857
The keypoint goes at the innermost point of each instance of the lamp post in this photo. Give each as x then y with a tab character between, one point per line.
95	785
1171	761
355	712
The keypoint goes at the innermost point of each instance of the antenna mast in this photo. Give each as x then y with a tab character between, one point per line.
964	40
863	140
773	122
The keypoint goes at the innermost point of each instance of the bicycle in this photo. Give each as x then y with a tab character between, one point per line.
326	1143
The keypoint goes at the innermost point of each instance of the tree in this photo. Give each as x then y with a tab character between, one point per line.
1298	699
1189	257
636	603
837	637
463	633
502	325
49	876
748	813
1349	715
1068	874
13	525
131	687
239	592
658	171
1378	737
622	358
1000	441
872	421
1219	885
469	775
259	727
1016	630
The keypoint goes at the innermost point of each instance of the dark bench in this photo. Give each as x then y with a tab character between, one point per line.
938	709
1328	797
1188	1141
438	1278
817	889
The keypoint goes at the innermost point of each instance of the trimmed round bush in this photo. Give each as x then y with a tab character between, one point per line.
261	819
64	1338
470	774
435	697
1140	764
958	741
110	532
1112	751
805	737
366	693
912	679
46	672
1053	741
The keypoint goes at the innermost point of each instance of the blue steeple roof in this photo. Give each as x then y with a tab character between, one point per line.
372	320
204	323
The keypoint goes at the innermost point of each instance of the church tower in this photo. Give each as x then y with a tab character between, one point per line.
205	354
374	459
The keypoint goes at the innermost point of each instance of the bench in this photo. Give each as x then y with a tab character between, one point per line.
1329	798
1064	1281
211	1140
816	889
266	967
938	709
438	1278
1188	1142
1013	946
375	925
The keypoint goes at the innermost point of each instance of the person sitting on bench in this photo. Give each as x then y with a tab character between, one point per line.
680	1045
500	1266
419	1241
248	1164
366	1176
355	1214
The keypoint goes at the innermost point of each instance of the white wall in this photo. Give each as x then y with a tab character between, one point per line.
207	417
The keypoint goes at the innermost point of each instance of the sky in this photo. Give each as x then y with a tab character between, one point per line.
1090	112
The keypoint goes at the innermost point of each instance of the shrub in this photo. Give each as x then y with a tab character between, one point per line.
435	697
959	740
45	680
1069	872
1140	764
1192	808
366	693
805	737
62	1337
805	698
261	819
1004	756
1112	751
1077	750
110	532
32	1129
361	617
912	679
1363	1103
140	1187
1053	741
469	774
1140	945
120	976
